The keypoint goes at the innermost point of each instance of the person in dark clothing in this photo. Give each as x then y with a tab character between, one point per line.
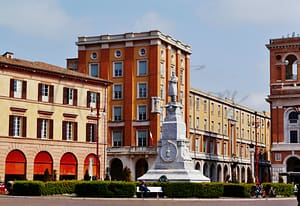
298	195
143	188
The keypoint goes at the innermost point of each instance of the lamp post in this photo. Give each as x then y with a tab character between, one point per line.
97	141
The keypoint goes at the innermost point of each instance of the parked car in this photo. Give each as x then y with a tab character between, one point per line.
3	189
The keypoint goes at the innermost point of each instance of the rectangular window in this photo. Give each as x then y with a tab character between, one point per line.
117	137
93	99
212	109
197	122
142	112
162	69
142	138
94	70
69	131
18	88
91	130
181	77
293	136
197	104
204	145
277	156
142	67
225	151
44	128
118	69
211	147
17	126
117	91
219	127
70	96
205	124
117	113
205	106
196	145
142	88
45	93
162	93
219	110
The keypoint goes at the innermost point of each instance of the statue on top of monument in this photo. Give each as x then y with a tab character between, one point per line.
173	87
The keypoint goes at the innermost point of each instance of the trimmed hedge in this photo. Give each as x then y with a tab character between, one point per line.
128	189
188	189
105	189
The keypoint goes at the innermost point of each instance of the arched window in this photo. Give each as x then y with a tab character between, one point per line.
293	117
291	67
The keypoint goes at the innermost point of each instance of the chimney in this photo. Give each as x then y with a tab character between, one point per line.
8	55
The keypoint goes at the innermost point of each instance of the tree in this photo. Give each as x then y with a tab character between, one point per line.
126	176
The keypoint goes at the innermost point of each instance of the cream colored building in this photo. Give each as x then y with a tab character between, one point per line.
222	134
47	123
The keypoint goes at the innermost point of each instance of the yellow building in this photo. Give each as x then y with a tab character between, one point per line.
228	141
46	122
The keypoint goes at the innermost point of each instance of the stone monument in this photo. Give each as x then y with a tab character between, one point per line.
173	162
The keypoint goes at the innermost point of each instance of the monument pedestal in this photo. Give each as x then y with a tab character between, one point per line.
174	162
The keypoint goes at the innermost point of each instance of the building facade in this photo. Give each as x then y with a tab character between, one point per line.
229	142
48	130
284	102
139	65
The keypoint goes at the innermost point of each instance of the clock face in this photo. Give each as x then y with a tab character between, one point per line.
168	152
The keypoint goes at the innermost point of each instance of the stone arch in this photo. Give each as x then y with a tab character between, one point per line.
226	174
198	166
141	167
219	173
90	167
206	169
68	167
243	174
43	166
116	169
15	166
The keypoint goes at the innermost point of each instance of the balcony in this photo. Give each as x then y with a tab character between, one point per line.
131	150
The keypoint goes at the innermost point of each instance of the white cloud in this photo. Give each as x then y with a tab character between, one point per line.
38	18
258	12
153	21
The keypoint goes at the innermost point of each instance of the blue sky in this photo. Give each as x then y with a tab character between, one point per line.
227	37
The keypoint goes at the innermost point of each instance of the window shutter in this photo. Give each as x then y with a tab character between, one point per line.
65	94
98	100
51	93
64	127
11	125
24	126
40	92
50	128
88	99
39	127
87	133
24	89
75	97
11	89
75	131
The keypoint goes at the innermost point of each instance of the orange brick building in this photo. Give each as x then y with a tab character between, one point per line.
140	65
284	102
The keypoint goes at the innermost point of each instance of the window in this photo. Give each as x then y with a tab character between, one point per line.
142	67
93	99
197	123
205	124
18	88
69	131
293	117
70	96
142	52
211	147
142	112
142	138
94	70
293	136
117	113
219	110
212	108
181	76
197	104
94	55
277	156
142	88
205	106
196	145
44	128
212	126
91	130
162	69
118	53
118	69
45	93
117	91
204	145
117	137
162	93
181	97
225	151
291	67
17	126
219	127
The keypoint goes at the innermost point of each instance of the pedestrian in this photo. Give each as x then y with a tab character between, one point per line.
144	189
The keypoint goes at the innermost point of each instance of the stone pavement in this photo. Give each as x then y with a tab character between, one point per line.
74	201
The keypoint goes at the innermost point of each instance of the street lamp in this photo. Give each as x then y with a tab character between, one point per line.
256	151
